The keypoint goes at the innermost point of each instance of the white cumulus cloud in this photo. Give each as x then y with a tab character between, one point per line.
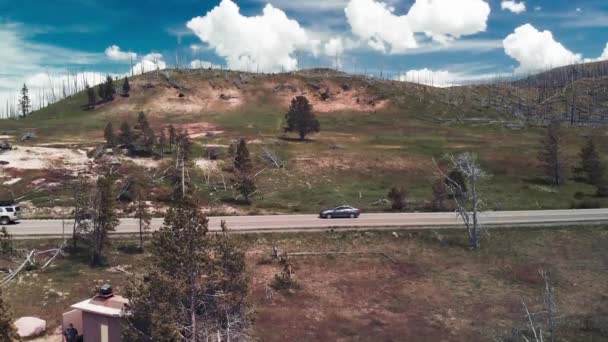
265	42
113	52
150	62
376	24
437	78
199	64
537	50
445	78
514	6
445	20
334	47
441	20
604	55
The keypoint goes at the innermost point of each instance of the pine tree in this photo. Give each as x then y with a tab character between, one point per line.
24	102
591	166
181	179
109	135
162	142
244	182
125	136
142	212
245	185
101	91
300	118
242	160
440	195
398	198
92	98
550	156
142	121
195	284
7	328
104	220
460	183
126	88
172	137
148	136
109	89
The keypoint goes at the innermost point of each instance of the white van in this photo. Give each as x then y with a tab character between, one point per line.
9	213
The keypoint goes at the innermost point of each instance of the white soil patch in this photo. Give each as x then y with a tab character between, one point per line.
12	181
39	158
217	145
207	165
148	163
6	137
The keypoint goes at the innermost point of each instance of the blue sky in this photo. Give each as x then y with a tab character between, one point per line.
449	41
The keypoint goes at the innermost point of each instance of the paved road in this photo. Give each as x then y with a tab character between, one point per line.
312	222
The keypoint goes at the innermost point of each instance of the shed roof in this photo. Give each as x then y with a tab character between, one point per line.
112	306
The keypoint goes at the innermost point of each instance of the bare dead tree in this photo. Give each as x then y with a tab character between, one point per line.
468	201
542	325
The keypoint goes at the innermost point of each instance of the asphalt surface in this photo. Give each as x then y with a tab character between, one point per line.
282	223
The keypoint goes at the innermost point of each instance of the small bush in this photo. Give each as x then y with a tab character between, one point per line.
265	260
398	198
586	204
7	246
129	248
282	281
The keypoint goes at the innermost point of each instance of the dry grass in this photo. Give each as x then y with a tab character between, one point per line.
437	290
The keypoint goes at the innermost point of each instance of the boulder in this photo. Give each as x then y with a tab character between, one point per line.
28	327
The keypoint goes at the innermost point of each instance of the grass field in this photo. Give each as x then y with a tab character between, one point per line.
437	289
360	153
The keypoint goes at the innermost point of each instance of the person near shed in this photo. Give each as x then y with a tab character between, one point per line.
71	334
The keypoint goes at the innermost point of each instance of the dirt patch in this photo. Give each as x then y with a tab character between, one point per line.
38	158
155	97
196	130
326	96
346	163
528	273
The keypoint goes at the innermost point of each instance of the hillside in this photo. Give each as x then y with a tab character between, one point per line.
375	134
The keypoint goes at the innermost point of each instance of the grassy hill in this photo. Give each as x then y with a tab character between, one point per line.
375	134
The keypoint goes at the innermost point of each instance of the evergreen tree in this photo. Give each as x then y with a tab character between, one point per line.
24	102
245	185
242	160
92	98
142	212
300	118
550	156
195	284
109	89
460	183
162	142
101	91
125	136
591	167
398	198
243	166
109	135
181	179
104	220
440	196
142	121
231	150
7	328
148	136
172	137
126	88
